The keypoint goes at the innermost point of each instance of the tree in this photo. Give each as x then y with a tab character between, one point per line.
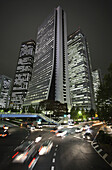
31	109
104	96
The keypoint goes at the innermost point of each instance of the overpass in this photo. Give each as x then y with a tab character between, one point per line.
26	115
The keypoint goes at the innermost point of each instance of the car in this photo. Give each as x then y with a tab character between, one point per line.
3	133
33	159
109	124
31	128
88	136
53	130
85	127
5	127
45	147
23	152
61	133
39	126
78	129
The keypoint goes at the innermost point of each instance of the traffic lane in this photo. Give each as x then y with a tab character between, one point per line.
78	154
45	136
3	122
9	143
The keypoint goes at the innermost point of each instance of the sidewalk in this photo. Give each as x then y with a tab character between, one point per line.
99	149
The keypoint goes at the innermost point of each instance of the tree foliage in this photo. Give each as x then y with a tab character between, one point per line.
104	96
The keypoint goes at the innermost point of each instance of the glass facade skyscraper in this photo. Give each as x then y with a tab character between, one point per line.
50	72
80	73
23	73
5	91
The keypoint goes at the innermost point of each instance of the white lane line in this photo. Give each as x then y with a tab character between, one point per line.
50	137
53	160
26	137
77	137
55	149
15	149
52	167
22	141
56	146
55	154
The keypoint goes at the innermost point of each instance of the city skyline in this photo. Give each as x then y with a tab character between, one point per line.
19	23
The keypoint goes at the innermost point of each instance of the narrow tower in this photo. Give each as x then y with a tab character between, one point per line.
50	71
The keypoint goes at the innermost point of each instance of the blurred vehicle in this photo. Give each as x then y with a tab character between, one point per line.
85	127
59	127
53	130
33	159
5	127
87	136
61	133
72	130
3	133
39	126
38	139
45	147
78	129
23	152
109	124
30	127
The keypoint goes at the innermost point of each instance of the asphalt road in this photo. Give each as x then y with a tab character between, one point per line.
69	153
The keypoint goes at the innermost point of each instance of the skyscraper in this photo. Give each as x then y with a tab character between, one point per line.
80	74
5	91
23	73
50	71
96	81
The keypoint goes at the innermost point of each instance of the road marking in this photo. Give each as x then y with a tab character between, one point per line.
15	149
50	137
22	141
55	154
52	167
111	164
26	137
55	149
94	143
104	156
96	146
99	150
53	160
56	145
77	137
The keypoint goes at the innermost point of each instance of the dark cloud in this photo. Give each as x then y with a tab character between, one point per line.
19	21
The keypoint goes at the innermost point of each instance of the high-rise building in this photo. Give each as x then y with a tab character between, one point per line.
5	91
80	74
50	72
96	81
23	73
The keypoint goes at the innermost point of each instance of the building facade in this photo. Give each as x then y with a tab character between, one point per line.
23	74
5	91
80	73
96	74
50	71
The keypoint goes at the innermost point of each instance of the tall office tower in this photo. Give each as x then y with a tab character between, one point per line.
80	78
50	71
23	73
5	90
96	74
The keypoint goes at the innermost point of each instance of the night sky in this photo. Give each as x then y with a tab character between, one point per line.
19	21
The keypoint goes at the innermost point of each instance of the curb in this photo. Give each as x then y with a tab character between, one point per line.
100	151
